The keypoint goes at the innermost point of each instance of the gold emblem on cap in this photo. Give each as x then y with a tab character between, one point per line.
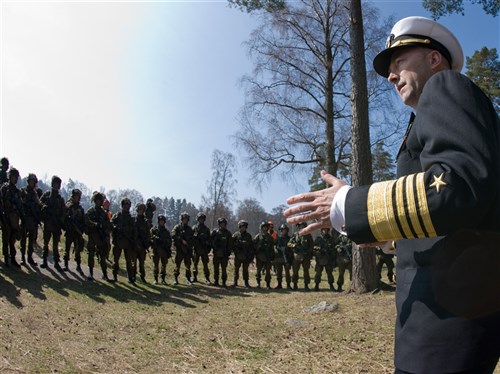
388	43
438	182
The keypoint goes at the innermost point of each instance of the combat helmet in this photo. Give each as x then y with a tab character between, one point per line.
32	177
221	220
201	215
185	215
242	222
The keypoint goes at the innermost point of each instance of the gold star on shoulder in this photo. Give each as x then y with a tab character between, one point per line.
438	182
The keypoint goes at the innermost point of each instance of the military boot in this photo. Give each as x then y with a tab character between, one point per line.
6	261
235	283
316	287
23	260
44	263
163	280
115	277
31	261
339	288
79	269
58	267
247	285
331	287
258	284
143	279
288	286
156	279
66	268
14	263
295	288
90	277
176	280
279	286
306	287
268	285
207	281
194	279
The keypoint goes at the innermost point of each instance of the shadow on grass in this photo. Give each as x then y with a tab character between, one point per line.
37	282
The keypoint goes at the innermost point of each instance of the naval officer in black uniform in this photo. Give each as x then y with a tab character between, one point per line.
442	213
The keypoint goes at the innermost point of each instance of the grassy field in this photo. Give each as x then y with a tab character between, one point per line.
61	323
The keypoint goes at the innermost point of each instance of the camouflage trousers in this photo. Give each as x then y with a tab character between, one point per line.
329	272
220	263
263	265
55	235
241	264
29	233
9	238
343	266
296	265
181	257
204	260
157	258
97	247
78	243
280	268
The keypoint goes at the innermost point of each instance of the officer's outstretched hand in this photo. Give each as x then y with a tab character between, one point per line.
314	206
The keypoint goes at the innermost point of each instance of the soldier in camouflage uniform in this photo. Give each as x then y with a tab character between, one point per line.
32	218
74	222
143	239
302	247
202	247
343	245
283	258
243	252
98	227
325	255
161	242
53	211
4	168
264	253
182	236
150	211
222	244
387	259
124	238
13	216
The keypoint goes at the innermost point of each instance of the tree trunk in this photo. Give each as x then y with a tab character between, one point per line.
364	274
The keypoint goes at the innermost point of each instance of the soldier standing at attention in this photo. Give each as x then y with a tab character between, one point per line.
143	239
105	206
161	243
75	227
302	247
182	236
222	245
264	254
387	259
343	245
124	238
283	257
325	255
202	247
243	252
53	210
149	212
98	227
13	215
32	217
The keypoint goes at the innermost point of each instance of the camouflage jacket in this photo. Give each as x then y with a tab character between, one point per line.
222	242
324	249
202	239
53	209
264	247
161	240
123	226
283	252
97	223
31	203
243	246
182	233
343	245
74	219
11	199
302	246
143	232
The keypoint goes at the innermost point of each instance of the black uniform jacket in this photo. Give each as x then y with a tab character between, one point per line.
444	213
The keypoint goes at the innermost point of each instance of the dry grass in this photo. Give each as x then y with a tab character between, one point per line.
53	322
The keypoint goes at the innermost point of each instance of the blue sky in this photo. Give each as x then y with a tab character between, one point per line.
138	94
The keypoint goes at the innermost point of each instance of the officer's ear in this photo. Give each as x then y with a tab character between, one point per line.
437	61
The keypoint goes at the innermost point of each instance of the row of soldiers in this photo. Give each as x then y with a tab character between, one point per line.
23	210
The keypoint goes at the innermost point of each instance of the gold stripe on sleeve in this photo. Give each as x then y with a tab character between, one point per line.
380	211
423	206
